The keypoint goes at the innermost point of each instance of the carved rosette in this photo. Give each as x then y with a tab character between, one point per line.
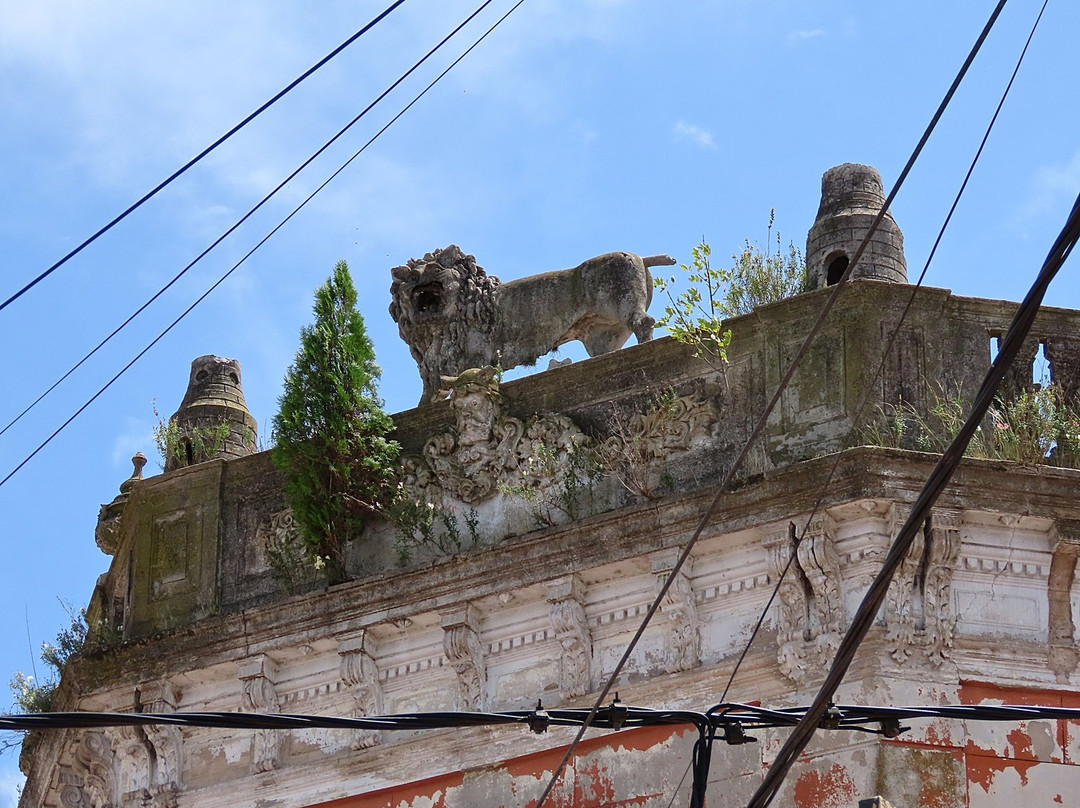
461	644
571	626
680	610
360	673
258	695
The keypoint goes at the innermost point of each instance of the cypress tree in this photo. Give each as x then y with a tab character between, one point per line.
331	431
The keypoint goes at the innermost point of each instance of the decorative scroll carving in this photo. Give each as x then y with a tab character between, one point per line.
461	644
360	673
259	696
817	557
640	445
941	561
94	763
680	609
812	616
905	601
793	595
919	612
487	448
1064	655
567	599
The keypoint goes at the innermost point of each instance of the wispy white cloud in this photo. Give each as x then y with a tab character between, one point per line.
1050	188
802	36
137	435
695	134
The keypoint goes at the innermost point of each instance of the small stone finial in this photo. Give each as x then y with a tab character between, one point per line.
107	532
213	419
851	197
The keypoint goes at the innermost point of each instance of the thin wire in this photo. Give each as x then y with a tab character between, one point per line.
760	425
201	154
935	484
265	238
894	334
243	219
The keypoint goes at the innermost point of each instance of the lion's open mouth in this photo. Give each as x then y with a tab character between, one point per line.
427	299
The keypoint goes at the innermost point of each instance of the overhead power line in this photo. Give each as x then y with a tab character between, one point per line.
894	332
267	237
150	194
1011	344
785	380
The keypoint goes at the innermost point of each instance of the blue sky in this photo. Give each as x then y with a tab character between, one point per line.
579	127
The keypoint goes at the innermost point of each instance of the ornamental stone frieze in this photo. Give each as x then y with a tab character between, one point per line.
258	695
567	599
360	674
465	652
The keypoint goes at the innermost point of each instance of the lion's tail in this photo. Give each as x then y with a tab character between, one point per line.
657	260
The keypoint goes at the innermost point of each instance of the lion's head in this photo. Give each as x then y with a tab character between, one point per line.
444	306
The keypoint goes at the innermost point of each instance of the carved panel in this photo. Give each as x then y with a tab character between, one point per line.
567	599
170	542
257	676
360	673
463	649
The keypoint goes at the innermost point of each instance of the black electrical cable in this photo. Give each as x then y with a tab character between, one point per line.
939	478
894	333
277	97
251	252
341	132
785	380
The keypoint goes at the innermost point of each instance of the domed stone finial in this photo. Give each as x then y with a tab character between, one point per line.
851	197
213	419
107	532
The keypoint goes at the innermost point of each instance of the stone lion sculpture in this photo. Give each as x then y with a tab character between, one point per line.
454	316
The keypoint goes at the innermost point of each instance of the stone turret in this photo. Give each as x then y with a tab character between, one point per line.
851	196
213	419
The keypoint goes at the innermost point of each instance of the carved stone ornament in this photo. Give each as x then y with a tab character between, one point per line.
280	536
94	783
1064	656
571	626
461	644
812	615
487	448
793	596
680	609
454	316
107	532
919	614
360	673
259	696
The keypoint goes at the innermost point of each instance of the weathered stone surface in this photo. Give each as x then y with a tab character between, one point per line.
454	316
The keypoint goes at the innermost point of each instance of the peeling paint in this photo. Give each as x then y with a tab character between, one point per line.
832	789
